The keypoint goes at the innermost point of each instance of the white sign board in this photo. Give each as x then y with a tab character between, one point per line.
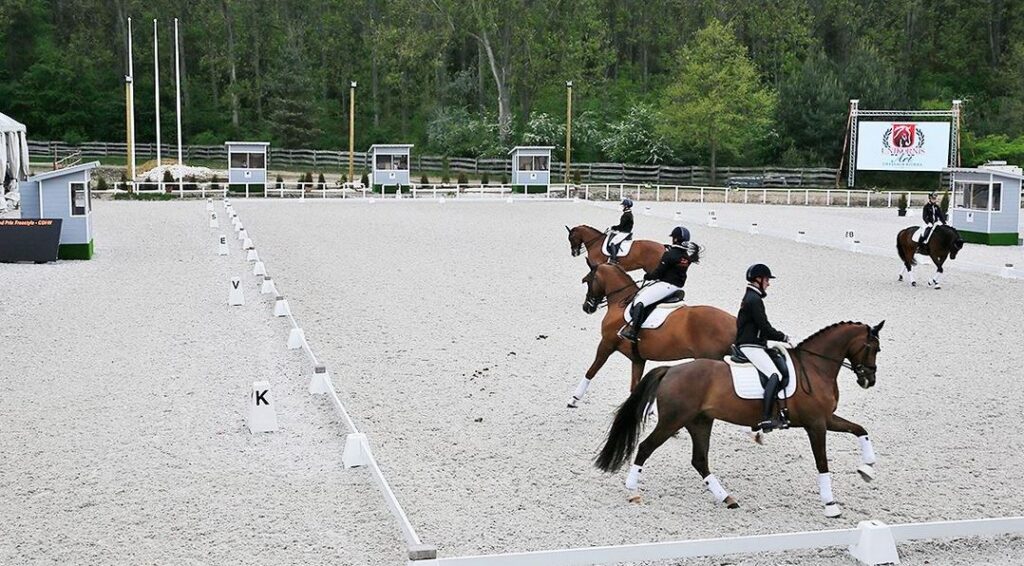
902	146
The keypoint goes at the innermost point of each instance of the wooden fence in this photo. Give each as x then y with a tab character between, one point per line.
316	160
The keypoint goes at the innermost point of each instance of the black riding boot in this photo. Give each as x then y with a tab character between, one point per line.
771	391
632	331
614	257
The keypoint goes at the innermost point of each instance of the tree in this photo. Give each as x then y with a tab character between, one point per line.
635	139
714	101
292	116
813	109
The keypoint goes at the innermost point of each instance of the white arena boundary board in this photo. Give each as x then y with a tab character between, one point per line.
745	545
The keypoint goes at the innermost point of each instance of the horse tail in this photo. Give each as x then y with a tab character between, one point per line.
629	419
909	232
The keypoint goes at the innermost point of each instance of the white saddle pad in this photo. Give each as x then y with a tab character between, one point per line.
656	318
618	236
747	382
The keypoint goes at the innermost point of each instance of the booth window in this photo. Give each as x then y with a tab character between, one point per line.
533	163
242	160
80	199
388	162
975	196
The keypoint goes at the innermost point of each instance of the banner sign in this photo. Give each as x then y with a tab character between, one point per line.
902	146
29	239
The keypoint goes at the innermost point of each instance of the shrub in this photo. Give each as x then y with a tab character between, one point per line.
321	182
101	184
463	180
215	183
445	179
902	204
168	178
485	179
365	180
424	180
143	196
576	176
504	179
280	181
944	203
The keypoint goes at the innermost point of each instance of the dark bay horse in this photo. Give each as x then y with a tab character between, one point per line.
689	332
944	242
645	254
692	395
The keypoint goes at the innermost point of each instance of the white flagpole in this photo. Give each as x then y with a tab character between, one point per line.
156	91
177	87
131	104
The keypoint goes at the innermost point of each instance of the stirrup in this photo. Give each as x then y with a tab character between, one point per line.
626	333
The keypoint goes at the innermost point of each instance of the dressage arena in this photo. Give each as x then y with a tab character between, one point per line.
454	335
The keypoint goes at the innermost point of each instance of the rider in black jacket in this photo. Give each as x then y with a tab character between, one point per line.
930	214
621	231
669	277
752	333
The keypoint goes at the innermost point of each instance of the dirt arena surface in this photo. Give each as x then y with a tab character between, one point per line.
455	336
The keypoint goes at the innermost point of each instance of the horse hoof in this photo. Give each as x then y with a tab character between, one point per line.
731	503
937	286
867	473
913	283
901	278
832	510
571	405
635	498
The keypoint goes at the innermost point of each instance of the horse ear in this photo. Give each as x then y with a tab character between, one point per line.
877	328
567	229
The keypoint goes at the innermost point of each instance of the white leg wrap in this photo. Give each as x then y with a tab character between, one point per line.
867	451
581	389
825	487
716	489
633	479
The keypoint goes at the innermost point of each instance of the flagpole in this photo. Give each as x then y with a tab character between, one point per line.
131	106
156	91
177	88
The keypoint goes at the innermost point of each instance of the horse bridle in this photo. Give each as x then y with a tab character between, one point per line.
862	370
596	304
578	250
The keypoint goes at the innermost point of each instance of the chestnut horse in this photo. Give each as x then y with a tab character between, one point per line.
694	394
944	242
688	332
644	254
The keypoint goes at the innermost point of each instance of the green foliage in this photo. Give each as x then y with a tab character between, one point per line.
101	184
144	196
424	180
813	112
365	180
944	203
635	139
902	202
321	182
167	177
977	151
715	102
463	180
485	179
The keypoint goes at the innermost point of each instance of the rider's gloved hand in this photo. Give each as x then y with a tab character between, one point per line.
647	277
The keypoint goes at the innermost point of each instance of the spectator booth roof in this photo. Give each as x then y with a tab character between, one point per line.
985	208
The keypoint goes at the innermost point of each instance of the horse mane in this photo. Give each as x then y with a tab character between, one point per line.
829	327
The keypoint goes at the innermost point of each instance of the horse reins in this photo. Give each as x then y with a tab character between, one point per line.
855	368
586	244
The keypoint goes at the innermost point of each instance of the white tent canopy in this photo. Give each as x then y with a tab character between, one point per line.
13	157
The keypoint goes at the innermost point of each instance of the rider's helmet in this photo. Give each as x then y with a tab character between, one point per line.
627	203
680	233
932	196
759	270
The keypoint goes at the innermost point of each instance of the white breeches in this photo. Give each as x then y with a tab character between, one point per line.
619	237
760	359
655	292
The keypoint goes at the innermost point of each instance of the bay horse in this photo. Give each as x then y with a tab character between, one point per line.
692	395
944	242
688	332
644	254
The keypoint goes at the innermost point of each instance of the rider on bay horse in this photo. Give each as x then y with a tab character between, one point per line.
621	231
752	333
931	214
669	277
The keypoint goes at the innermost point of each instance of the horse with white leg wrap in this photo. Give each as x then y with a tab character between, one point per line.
694	394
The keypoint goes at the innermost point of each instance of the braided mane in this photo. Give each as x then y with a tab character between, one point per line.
829	327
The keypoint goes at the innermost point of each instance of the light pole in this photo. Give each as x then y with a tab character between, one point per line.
351	131
568	129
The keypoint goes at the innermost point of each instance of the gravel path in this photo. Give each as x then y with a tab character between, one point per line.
456	334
